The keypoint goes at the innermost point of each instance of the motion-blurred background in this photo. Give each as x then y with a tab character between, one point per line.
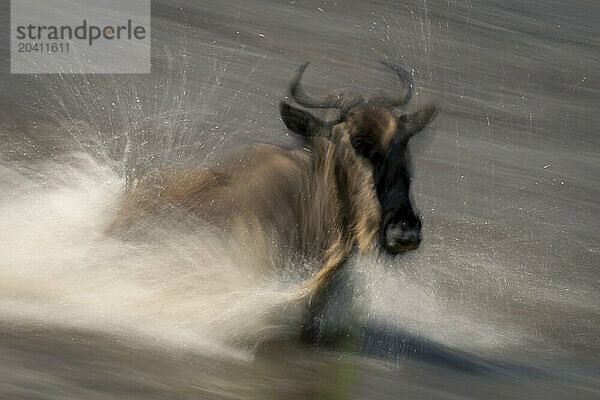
507	181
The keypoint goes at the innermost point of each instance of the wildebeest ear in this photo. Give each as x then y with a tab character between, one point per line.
300	121
412	123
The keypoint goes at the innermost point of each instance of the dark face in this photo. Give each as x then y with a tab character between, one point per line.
381	138
400	228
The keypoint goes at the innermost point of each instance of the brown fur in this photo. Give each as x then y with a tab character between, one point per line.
319	202
371	124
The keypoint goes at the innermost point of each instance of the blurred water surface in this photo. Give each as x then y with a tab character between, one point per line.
507	180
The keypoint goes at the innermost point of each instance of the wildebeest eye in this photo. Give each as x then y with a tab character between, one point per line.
359	145
364	145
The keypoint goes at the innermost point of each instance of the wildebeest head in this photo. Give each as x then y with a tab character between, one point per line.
378	134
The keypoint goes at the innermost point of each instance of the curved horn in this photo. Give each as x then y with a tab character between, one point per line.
343	99
406	94
303	122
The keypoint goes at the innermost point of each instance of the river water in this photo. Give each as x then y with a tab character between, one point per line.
505	179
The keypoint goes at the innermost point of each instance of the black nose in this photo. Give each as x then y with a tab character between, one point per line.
402	236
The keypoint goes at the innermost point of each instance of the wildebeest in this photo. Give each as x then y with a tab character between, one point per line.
347	189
